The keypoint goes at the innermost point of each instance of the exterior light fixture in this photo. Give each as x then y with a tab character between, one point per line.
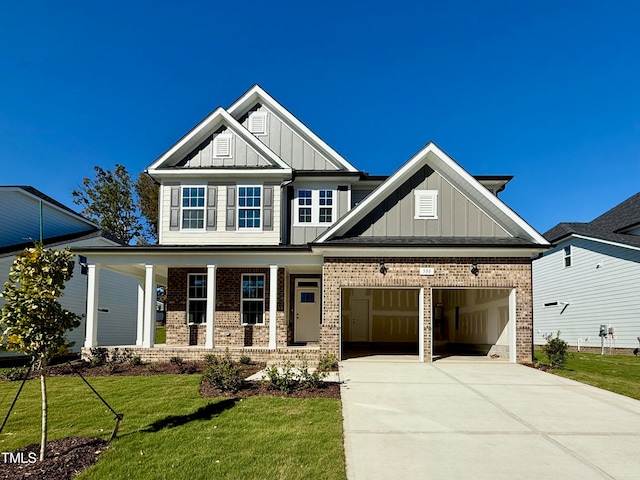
474	269
383	268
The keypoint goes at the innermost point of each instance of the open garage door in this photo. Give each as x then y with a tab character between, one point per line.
379	321
471	322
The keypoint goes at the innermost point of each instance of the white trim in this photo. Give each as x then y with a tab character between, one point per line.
203	209
240	229
242	299
210	306
273	305
512	326
93	289
607	242
438	160
149	330
567	256
222	172
315	206
256	93
421	325
205	298
140	319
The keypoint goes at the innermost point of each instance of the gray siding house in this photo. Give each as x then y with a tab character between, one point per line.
62	227
272	245
591	277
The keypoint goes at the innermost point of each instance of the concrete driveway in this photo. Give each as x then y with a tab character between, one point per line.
482	420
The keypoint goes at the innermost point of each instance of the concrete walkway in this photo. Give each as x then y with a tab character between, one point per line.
482	420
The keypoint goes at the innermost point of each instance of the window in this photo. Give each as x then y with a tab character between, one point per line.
304	206
567	256
252	299
222	146
307	297
249	207
426	204
258	123
315	207
196	298
192	207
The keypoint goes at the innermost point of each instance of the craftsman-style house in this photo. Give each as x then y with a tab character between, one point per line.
273	245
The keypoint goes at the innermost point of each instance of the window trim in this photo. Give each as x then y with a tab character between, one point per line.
315	206
567	255
260	208
419	195
189	298
256	114
183	208
262	300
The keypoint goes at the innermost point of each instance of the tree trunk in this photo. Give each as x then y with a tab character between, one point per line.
43	388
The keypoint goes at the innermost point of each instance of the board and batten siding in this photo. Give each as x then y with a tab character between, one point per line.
301	234
242	155
457	216
221	235
602	285
288	145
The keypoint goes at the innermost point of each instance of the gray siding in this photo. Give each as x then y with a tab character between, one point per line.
359	194
243	155
457	215
304	234
288	145
603	286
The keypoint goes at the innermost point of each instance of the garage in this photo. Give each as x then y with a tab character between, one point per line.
380	321
472	322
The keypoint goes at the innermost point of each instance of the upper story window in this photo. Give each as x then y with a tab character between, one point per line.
315	207
567	256
222	145
426	204
193	207
257	123
249	207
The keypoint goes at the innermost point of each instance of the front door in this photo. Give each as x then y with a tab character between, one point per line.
359	320
307	311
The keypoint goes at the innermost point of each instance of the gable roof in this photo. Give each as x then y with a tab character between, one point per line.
219	117
257	94
440	162
608	227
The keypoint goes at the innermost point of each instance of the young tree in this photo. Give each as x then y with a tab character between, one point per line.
147	191
32	320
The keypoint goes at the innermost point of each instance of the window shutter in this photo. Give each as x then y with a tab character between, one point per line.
231	207
222	146
212	211
174	215
268	208
426	205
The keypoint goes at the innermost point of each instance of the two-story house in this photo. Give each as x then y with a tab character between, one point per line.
272	244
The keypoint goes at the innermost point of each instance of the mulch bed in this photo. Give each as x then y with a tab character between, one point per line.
66	458
253	388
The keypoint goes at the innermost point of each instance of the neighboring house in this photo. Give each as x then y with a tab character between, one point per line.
273	245
591	278
21	211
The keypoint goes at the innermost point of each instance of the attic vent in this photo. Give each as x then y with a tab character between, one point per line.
258	123
426	204
222	146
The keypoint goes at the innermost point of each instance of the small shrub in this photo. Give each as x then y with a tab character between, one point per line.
223	374
328	362
135	360
98	356
112	367
312	380
154	368
244	360
557	351
16	374
211	359
281	377
176	361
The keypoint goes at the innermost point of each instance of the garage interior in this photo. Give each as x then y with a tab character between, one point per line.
470	322
377	321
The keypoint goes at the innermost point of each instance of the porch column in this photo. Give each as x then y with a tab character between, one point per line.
149	329
140	324
211	306
273	305
93	280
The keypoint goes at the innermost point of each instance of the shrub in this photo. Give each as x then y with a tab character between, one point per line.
176	361
16	374
224	374
98	356
281	377
556	350
135	360
328	362
312	380
244	360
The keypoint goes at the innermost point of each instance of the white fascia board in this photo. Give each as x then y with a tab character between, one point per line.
221	172
256	93
426	252
606	242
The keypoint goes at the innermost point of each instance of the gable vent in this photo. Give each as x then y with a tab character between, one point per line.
222	146
426	205
258	123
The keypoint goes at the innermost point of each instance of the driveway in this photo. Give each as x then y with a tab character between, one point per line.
482	420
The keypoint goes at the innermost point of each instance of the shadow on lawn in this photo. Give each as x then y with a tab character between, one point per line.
203	413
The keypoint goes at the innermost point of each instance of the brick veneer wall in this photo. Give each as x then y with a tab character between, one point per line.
449	273
228	330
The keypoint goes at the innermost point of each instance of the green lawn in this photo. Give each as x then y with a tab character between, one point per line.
617	373
169	431
161	335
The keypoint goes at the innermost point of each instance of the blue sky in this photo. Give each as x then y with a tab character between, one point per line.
548	91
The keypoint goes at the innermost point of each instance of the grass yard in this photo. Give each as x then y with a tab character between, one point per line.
170	432
616	373
161	335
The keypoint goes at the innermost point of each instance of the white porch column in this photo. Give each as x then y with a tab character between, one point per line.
211	306
93	280
149	329
273	305
140	325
